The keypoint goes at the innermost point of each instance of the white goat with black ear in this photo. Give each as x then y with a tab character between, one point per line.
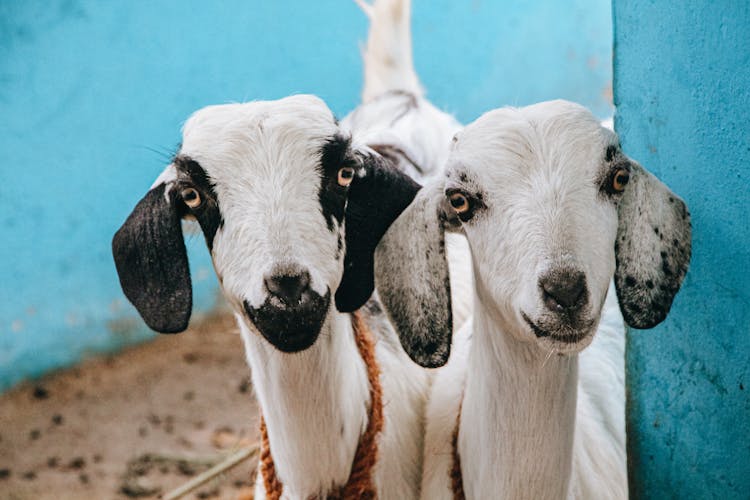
292	212
268	182
552	210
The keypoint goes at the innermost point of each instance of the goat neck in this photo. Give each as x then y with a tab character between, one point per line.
524	399
315	406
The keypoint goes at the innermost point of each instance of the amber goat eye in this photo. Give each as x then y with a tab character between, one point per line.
620	180
459	203
191	197
346	176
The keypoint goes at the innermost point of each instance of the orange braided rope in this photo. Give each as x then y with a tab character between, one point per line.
271	483
457	480
360	483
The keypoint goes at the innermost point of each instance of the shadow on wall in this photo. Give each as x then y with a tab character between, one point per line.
93	94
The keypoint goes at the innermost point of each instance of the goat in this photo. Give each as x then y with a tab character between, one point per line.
292	209
552	210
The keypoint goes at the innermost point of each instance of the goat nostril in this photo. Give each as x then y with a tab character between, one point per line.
563	289
288	287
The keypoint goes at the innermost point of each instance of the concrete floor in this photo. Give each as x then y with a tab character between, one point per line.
133	425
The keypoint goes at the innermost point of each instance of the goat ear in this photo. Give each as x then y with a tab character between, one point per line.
652	249
152	263
411	273
376	197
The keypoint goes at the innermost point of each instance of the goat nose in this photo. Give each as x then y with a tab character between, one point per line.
563	289
288	287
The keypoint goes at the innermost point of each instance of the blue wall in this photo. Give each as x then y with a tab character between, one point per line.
92	96
682	90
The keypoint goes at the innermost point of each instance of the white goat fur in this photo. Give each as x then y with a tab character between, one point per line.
537	420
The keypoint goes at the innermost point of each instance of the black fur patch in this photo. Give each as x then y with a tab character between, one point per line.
611	152
152	263
375	200
208	214
291	329
332	196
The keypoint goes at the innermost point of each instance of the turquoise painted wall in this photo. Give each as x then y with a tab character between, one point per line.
93	94
682	90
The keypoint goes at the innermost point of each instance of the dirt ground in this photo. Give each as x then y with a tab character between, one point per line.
133	425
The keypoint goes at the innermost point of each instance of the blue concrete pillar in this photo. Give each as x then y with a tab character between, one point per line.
682	91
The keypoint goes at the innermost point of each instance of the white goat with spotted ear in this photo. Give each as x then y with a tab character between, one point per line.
292	211
552	210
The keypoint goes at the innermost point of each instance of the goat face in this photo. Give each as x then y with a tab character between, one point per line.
268	183
280	176
552	209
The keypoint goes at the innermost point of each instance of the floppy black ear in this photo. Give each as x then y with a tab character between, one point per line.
152	262
412	278
376	198
652	249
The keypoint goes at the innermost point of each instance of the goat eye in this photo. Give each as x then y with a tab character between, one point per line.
459	203
191	197
346	176
620	180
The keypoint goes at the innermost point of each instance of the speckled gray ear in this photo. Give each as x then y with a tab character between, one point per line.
652	249
411	276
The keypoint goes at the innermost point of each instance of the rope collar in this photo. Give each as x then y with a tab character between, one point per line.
360	483
457	480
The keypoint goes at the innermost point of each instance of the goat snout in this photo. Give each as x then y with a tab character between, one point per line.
564	290
289	288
